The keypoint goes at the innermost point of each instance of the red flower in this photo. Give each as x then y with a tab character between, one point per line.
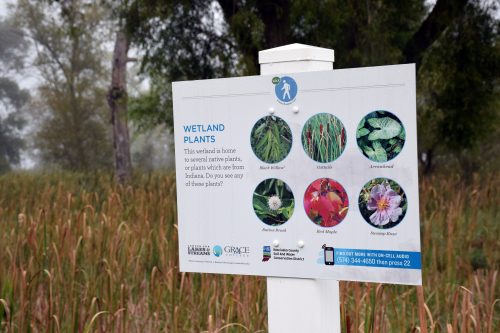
326	202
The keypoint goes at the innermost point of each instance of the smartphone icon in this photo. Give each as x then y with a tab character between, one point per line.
329	257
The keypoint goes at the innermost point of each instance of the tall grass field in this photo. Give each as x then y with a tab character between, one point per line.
80	254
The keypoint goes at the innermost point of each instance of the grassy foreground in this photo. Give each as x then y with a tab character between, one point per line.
79	254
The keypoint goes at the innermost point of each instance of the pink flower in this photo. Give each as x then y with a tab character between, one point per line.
386	203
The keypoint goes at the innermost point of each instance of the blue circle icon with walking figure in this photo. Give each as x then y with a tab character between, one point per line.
286	90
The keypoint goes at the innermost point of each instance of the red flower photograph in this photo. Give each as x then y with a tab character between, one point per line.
326	202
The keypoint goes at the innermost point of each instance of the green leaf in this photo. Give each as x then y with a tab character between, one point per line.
269	185
269	145
362	132
380	154
260	128
287	212
259	204
397	149
369	152
361	124
402	135
389	128
262	141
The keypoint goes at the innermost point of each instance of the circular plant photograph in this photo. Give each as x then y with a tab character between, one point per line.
273	202
271	139
381	136
323	137
382	203
326	202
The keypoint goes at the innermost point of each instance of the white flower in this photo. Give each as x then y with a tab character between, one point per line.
274	202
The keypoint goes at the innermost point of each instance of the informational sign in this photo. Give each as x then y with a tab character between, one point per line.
310	175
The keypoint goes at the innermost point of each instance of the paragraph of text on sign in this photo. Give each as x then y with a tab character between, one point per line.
211	167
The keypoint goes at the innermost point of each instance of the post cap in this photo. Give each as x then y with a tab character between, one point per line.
296	52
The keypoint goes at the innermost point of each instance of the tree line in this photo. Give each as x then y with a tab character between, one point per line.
82	109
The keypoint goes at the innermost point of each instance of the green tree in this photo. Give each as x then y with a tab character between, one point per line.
71	99
459	91
452	39
366	32
363	33
177	40
12	98
182	39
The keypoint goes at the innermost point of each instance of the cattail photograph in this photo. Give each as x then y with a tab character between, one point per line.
323	137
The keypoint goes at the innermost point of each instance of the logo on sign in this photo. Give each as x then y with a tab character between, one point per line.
198	250
285	89
326	256
266	253
217	250
237	251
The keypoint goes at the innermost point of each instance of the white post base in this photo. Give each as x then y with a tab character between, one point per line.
303	305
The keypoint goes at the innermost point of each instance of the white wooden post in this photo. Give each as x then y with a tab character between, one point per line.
300	305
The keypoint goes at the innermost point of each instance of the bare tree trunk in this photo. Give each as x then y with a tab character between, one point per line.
442	16
117	100
276	18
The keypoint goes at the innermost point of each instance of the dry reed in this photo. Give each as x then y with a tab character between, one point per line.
80	254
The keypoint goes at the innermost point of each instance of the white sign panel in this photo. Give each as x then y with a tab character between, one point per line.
310	175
